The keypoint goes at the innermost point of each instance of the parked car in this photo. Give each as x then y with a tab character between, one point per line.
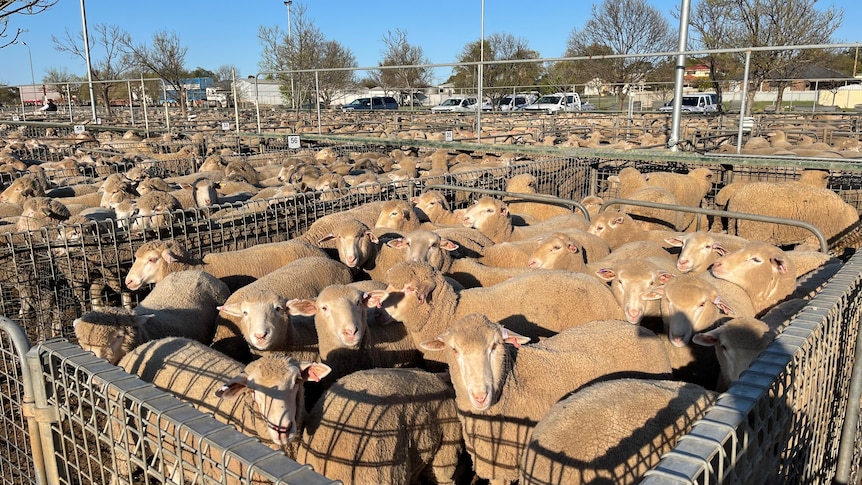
695	103
374	102
456	103
514	101
555	103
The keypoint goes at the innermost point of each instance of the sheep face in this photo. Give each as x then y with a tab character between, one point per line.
204	191
737	343
476	354
409	285
264	319
699	250
22	189
427	246
339	312
276	383
397	215
430	204
693	306
556	252
107	334
484	213
608	223
356	244
151	263
760	268
629	280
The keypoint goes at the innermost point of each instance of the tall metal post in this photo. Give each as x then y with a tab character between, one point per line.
742	105
30	54
480	100
87	57
287	3
679	76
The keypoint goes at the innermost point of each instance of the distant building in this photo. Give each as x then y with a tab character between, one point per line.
196	91
265	91
38	94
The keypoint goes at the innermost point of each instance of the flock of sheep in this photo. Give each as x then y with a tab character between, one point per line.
403	341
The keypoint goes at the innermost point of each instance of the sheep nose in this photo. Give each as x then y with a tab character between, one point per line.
479	397
261	335
533	263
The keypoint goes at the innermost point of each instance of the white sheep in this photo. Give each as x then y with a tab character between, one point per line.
432	206
700	249
156	259
818	206
502	392
199	193
23	188
346	341
491	216
398	215
263	399
557	251
634	186
525	183
537	303
630	278
258	315
153	210
182	305
617	228
39	212
693	303
612	431
384	426
763	270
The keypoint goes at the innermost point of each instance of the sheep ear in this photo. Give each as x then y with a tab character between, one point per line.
326	238
653	293
674	241
422	289
664	277
302	307
708	339
169	255
434	344
397	243
375	298
779	264
187	186
618	220
314	371
513	338
372	237
232	309
448	245
572	247
504	210
723	306
233	387
459	212
606	274
719	249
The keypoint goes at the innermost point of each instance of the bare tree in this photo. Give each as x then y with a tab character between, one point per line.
166	59
8	8
107	66
756	23
306	49
711	24
399	52
499	79
622	27
58	79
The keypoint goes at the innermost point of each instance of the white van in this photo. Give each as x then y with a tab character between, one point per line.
555	103
695	103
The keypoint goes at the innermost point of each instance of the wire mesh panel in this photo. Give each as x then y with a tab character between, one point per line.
113	426
780	422
16	453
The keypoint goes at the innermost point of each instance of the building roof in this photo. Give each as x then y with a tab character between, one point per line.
812	72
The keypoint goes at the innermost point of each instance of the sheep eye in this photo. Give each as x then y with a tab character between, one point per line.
557	247
324	308
153	260
245	313
756	259
455	351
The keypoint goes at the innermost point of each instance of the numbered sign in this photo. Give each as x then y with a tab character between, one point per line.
98	121
80	129
293	141
225	125
16	118
448	135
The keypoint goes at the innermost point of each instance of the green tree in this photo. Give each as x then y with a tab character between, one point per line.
621	27
760	23
498	78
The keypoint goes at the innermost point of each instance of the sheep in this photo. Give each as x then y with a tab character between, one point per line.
491	217
692	303
537	304
630	278
39	212
432	206
183	304
399	215
153	210
634	187
156	259
557	251
689	189
201	192
23	188
470	273
346	342
243	169
612	431
617	228
263	399
700	249
366	213
258	312
501	393
384	426
820	207
630	250
526	183
763	270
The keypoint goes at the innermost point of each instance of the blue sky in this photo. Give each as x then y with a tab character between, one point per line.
220	32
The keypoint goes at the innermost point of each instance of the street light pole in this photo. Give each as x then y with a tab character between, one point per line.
32	77
289	58
87	58
481	99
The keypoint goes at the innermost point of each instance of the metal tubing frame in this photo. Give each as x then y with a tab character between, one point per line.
547	199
